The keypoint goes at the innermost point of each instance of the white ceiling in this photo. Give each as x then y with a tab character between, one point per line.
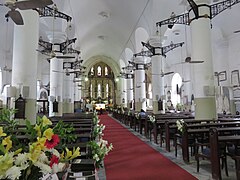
105	27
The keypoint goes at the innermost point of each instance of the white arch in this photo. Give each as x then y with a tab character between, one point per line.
128	55
140	35
176	86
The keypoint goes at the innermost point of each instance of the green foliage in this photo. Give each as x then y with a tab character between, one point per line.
6	117
65	133
99	150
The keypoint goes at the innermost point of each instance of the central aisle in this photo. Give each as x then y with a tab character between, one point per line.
132	159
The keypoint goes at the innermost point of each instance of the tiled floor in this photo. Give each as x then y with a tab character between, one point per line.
205	166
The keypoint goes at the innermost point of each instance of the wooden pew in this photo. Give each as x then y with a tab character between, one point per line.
214	140
200	131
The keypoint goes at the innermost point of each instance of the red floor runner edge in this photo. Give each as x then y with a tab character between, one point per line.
132	159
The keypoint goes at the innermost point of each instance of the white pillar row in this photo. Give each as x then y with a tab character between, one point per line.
68	106
56	82
123	93
129	90
205	103
140	86
24	65
78	86
157	79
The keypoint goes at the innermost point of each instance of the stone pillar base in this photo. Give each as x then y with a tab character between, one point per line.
155	108
68	107
232	107
205	108
138	106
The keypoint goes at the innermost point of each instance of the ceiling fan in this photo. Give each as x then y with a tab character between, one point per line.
164	74
77	80
237	31
23	5
188	60
67	72
5	68
185	81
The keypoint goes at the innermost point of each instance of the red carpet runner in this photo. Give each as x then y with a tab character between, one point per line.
132	159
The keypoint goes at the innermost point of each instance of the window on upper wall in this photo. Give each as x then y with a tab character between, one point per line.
99	71
106	71
107	90
92	71
99	90
91	92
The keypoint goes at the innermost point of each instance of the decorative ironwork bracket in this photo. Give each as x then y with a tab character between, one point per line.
144	53
48	46
215	9
181	19
51	12
65	44
221	6
170	47
164	50
71	51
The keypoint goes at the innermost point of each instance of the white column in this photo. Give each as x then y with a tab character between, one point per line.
123	92
24	65
68	106
205	103
140	86
56	82
157	79
129	90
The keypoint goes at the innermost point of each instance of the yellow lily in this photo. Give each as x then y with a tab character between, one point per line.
76	153
7	142
41	142
34	152
38	129
6	162
46	121
48	133
2	133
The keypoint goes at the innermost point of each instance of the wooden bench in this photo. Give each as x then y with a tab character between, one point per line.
215	139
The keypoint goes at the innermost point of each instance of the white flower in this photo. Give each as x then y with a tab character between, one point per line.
96	157
151	118
13	173
44	168
43	158
179	124
22	160
57	167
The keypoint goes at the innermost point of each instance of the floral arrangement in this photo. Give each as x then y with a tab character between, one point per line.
99	147
137	115
39	158
99	150
151	118
180	125
98	131
95	118
129	113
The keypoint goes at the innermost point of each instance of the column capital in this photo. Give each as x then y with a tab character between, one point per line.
155	41
56	37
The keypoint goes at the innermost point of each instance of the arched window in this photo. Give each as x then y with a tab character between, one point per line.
92	71
99	71
106	71
176	89
99	90
91	93
107	90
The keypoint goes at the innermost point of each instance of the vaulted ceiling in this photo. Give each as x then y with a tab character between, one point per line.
106	27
